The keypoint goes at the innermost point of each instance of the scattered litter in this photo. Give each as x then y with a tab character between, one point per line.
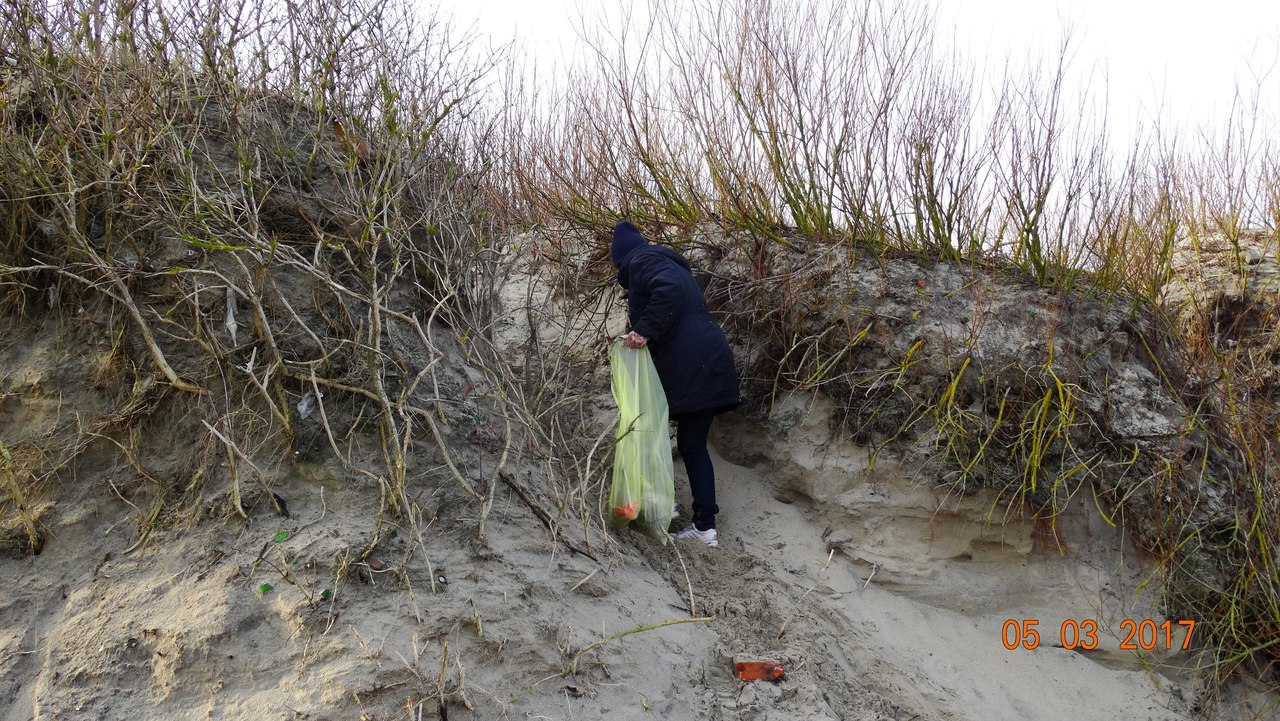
282	508
230	322
307	404
265	588
759	671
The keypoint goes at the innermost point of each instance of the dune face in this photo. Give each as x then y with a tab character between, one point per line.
884	588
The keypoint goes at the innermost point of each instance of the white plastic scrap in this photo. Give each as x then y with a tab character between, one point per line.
307	404
230	323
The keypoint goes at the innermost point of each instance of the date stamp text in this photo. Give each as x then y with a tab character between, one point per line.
1145	634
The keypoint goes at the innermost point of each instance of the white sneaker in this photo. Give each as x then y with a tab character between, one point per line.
707	537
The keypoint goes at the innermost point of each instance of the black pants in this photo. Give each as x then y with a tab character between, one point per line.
691	440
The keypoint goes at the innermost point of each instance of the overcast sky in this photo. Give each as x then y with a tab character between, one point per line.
1188	57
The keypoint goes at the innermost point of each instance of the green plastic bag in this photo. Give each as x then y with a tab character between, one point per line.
643	479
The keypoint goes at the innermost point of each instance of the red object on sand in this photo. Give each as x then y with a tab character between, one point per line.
759	671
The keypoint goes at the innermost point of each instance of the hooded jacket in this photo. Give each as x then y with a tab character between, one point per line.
665	305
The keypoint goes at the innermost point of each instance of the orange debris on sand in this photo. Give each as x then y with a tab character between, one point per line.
759	671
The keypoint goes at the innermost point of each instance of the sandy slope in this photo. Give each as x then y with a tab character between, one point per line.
933	648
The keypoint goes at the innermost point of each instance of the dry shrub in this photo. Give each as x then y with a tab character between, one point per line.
257	205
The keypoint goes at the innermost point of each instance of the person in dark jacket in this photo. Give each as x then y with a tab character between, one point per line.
668	313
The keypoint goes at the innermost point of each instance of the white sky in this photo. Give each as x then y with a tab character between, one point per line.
1187	57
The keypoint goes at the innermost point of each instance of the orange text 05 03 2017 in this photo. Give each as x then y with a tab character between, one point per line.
1144	634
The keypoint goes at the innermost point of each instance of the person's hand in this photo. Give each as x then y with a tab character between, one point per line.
635	340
